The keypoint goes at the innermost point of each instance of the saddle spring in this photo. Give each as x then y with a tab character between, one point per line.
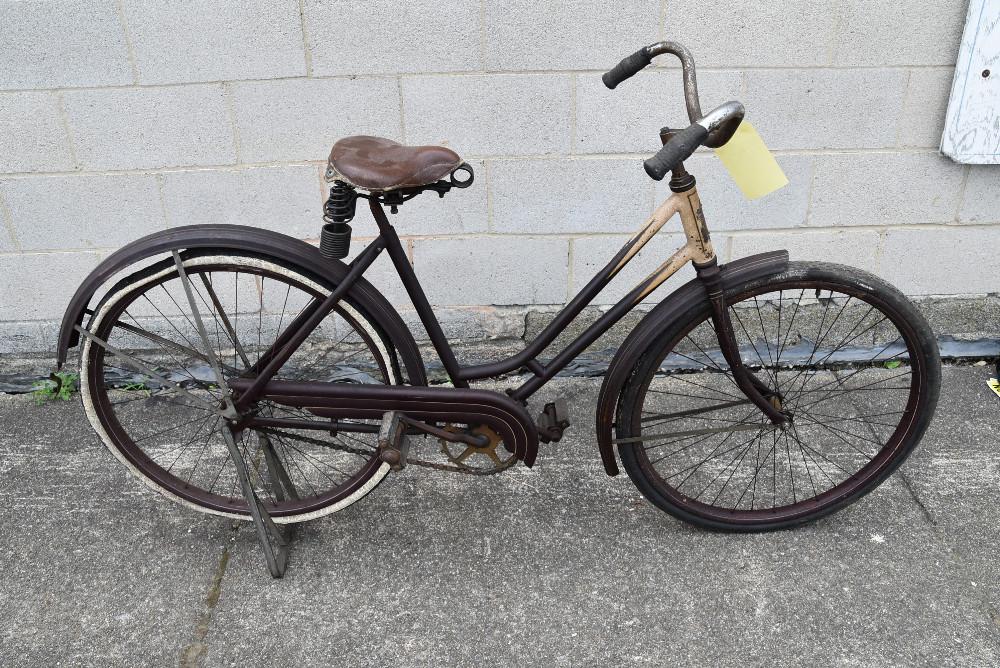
335	238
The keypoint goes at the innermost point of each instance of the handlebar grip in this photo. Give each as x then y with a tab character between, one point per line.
676	151
628	67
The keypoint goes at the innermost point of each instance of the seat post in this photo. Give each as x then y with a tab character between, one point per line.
413	288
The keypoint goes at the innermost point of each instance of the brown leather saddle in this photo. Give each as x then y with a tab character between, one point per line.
378	164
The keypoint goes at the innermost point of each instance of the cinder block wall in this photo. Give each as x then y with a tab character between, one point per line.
118	118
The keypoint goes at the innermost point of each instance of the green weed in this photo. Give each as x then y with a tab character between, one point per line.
59	386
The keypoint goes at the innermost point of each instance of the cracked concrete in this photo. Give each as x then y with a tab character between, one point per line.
554	566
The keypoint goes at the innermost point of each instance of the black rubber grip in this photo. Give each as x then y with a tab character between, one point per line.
629	66
676	151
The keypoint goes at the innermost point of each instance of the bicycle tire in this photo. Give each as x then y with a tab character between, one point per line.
361	328
921	361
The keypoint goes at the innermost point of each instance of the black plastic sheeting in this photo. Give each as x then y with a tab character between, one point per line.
591	364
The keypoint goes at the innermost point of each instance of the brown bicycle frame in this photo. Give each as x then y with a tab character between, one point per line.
697	249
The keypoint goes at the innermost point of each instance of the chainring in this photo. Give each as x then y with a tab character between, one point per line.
471	458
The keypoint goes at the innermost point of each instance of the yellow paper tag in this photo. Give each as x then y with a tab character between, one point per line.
751	164
994	385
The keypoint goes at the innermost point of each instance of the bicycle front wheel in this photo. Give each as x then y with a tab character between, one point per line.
851	362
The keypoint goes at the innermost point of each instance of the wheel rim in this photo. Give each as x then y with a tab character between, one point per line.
185	454
852	389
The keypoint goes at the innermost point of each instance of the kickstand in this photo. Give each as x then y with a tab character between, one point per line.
274	540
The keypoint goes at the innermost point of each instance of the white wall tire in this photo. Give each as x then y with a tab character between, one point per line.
113	298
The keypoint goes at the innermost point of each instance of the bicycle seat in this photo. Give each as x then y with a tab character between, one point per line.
375	163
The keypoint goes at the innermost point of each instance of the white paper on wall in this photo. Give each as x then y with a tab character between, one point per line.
972	125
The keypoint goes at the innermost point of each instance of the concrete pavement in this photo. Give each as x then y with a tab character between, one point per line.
555	566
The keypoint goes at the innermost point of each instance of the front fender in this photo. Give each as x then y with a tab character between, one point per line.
673	307
243	238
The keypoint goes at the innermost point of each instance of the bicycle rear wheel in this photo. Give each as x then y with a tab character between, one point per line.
173	443
854	365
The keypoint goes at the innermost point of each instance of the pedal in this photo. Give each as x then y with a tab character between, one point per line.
393	445
553	421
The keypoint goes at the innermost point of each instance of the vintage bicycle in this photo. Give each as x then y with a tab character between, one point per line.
248	374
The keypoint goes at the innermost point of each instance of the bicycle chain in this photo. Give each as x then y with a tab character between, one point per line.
437	466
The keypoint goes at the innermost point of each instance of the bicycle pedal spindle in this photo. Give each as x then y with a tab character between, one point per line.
392	442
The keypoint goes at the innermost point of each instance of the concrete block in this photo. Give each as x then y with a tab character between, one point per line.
23	338
884	189
86	211
284	199
387	37
981	200
33	138
569	196
591	254
926	103
895	32
855	248
957	260
492	270
61	43
382	274
193	40
726	208
7	244
825	108
754	33
629	118
136	128
475	324
300	119
499	114
43	283
526	35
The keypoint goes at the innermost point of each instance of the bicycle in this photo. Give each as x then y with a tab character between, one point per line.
281	386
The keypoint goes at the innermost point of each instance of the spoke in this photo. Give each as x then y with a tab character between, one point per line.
180	366
694	432
759	465
819	331
710	361
209	349
712	455
741	457
795	435
791	322
703	387
226	324
143	368
680	394
170	428
167	343
750	340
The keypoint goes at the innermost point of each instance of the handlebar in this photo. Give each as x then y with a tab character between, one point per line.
716	128
722	121
630	66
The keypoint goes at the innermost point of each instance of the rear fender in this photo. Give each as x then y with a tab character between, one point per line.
674	306
245	239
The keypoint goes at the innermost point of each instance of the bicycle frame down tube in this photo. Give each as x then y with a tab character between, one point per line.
303	330
698	248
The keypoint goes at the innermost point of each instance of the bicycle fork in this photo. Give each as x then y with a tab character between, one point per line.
706	265
756	390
